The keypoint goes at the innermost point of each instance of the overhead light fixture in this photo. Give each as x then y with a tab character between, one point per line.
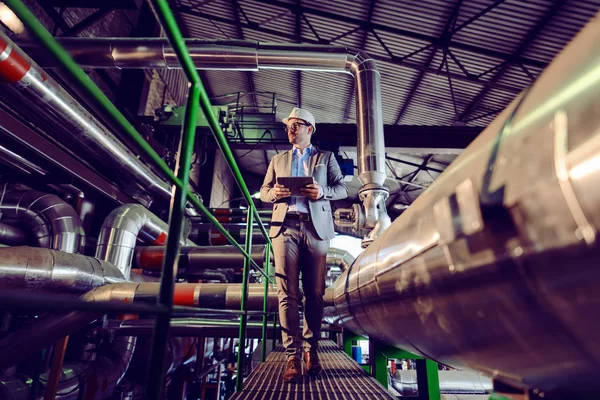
256	195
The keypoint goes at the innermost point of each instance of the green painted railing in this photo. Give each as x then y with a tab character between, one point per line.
198	98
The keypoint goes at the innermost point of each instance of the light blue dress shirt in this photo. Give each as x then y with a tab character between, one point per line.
300	167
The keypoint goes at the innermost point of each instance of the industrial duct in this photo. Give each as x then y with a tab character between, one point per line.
39	98
255	56
495	266
120	231
52	222
34	269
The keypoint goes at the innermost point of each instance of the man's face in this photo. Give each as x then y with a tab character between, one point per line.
299	132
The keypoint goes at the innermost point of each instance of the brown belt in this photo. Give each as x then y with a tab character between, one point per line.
297	217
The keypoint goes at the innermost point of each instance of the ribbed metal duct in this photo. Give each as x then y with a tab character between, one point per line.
495	266
52	222
255	56
121	230
41	100
33	268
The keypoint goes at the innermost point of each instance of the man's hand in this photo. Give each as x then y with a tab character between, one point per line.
312	191
281	191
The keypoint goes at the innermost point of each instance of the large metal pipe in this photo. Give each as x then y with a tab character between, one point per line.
495	266
198	258
53	223
194	327
255	56
41	100
32	268
224	296
457	382
121	230
19	163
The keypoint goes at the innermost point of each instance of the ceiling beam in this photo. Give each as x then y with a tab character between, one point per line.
237	9
428	139
409	34
446	37
87	22
529	38
392	60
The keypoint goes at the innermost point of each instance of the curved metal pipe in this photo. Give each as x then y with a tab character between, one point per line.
53	223
339	258
121	230
11	235
255	56
34	268
42	100
497	261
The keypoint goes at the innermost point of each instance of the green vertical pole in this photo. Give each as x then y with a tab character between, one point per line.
433	380
182	169
266	301
379	363
239	383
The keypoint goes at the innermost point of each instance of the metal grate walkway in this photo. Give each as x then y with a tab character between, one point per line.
341	379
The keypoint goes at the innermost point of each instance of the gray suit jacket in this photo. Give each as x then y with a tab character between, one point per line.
326	171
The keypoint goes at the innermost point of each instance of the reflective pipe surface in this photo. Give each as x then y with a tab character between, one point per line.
21	164
42	101
457	382
197	258
11	235
52	222
494	267
121	230
193	327
224	296
254	56
32	268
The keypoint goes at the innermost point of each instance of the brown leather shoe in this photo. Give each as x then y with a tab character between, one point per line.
313	365
293	369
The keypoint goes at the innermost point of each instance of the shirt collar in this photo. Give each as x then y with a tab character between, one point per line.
296	151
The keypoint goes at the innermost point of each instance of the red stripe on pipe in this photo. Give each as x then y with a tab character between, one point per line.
222	211
217	239
160	240
152	260
15	67
184	295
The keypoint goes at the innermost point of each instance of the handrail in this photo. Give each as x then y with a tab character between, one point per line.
82	81
197	98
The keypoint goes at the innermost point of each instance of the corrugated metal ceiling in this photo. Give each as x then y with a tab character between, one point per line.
405	37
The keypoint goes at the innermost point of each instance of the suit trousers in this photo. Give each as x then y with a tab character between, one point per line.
298	249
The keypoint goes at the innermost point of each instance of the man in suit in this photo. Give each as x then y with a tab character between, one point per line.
301	227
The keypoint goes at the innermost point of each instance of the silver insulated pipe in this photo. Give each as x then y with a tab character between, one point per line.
495	266
255	56
32	268
41	100
121	230
51	221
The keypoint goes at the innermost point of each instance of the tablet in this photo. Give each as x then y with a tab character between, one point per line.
295	183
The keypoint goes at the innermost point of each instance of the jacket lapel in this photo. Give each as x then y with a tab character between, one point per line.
288	163
314	157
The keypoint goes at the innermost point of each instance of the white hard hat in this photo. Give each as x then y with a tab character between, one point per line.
303	115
